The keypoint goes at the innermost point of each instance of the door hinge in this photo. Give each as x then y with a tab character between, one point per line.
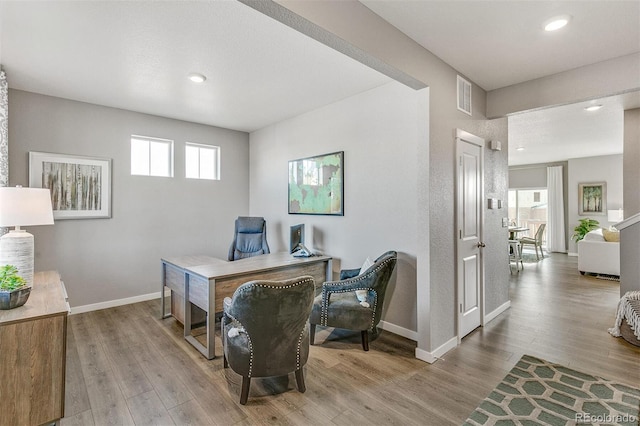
460	233
461	308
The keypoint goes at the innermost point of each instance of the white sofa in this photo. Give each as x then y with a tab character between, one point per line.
598	256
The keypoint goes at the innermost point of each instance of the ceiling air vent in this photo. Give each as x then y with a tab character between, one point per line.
464	95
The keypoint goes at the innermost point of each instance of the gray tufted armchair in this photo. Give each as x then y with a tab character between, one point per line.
249	238
337	306
265	329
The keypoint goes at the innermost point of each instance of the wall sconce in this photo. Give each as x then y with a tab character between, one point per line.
22	207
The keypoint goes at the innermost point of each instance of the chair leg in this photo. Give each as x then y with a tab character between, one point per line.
246	382
312	333
365	340
536	247
300	380
225	363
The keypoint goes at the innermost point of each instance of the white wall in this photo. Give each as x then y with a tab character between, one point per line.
594	169
380	134
108	259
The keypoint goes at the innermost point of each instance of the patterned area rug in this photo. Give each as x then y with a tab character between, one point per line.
537	392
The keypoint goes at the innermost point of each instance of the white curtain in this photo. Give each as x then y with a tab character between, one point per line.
4	134
556	239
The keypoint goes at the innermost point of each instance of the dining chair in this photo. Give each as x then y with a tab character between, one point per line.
536	241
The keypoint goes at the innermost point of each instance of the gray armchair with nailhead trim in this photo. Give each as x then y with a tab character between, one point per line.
337	306
265	329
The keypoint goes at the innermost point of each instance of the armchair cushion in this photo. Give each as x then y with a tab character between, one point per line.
344	311
361	295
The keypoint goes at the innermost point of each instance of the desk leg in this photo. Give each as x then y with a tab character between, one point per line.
163	313
209	350
329	271
187	308
211	321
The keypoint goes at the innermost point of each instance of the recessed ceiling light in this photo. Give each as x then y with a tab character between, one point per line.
520	148
556	22
197	78
593	107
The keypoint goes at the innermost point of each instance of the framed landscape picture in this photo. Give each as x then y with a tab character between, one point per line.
316	185
80	186
592	199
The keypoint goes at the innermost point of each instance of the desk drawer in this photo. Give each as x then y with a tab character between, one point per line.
225	287
174	279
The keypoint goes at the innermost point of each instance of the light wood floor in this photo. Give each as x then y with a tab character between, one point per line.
126	366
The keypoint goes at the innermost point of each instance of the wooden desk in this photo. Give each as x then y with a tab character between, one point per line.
205	281
33	345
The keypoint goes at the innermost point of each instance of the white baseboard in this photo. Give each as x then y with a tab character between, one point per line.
114	303
572	254
492	315
432	357
400	331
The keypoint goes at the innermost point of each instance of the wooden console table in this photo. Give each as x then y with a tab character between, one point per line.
205	282
33	346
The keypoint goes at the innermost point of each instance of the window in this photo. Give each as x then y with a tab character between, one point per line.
202	161
151	156
528	208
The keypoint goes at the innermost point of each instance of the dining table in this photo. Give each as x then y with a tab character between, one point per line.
513	230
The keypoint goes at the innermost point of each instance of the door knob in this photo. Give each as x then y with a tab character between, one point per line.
481	244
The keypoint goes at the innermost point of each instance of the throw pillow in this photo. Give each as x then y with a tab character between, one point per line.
362	294
595	235
611	235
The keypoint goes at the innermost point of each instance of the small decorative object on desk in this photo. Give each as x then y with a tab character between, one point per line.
14	291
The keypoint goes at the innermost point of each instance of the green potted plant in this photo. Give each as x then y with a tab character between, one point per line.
13	288
583	228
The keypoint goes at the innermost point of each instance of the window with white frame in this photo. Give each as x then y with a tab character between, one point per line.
151	156
202	161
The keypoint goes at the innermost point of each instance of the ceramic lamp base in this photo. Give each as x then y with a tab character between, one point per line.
16	248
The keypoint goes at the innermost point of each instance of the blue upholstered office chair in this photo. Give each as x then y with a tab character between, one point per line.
339	306
265	329
249	239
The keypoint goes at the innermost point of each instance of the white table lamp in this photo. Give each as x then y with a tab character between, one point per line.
615	216
22	207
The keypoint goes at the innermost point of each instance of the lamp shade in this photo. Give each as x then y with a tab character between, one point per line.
615	215
25	206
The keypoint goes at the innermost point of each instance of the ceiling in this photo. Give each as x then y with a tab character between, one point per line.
136	55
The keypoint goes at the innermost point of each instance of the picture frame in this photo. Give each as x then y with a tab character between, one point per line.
316	185
80	186
592	199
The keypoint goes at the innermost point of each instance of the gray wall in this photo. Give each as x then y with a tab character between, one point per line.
378	131
436	294
631	170
107	259
618	75
495	236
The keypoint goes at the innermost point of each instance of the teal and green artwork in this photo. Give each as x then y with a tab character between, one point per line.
316	185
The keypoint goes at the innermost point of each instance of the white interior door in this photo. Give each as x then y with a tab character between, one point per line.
469	213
